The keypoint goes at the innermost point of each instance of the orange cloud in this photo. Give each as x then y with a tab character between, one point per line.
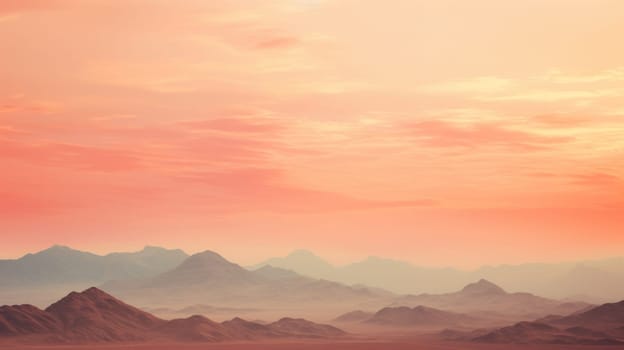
596	179
561	121
247	125
268	190
16	6
278	43
444	134
17	206
68	155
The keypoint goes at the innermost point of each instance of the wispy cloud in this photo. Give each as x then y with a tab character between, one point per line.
268	190
554	95
438	133
596	179
71	155
278	43
562	121
477	85
609	75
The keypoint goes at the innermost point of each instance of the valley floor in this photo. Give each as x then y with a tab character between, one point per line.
412	344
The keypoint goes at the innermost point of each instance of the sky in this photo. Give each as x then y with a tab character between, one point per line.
444	133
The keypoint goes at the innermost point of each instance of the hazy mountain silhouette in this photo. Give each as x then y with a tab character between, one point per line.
201	329
208	278
275	273
199	309
61	265
419	316
202	268
593	281
249	330
600	325
195	328
488	298
522	332
304	328
609	315
542	333
354	316
95	316
482	288
393	275
303	262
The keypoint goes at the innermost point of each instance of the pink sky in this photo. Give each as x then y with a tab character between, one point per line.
439	132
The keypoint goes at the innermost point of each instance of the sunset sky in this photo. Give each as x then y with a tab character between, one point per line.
452	133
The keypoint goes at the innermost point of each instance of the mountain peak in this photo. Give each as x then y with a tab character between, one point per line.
203	268
483	286
95	292
90	294
57	248
302	257
302	253
605	313
152	248
58	251
272	272
303	262
204	258
99	313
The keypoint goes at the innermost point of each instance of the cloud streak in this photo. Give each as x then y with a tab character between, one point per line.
439	133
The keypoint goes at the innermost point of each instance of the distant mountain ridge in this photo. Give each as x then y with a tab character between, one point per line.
208	278
482	287
595	281
602	325
93	316
599	325
419	316
171	280
200	268
541	333
606	315
485	296
481	303
61	265
303	262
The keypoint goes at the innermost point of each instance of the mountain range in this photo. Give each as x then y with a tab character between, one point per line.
93	316
489	300
171	283
46	276
59	268
478	304
594	281
419	316
208	278
542	333
600	325
206	282
597	325
62	265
